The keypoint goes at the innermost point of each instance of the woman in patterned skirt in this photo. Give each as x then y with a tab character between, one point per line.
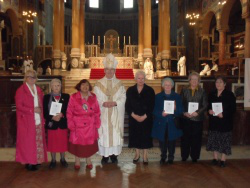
220	124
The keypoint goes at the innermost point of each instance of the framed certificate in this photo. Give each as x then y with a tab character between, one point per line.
217	108
169	107
192	107
55	108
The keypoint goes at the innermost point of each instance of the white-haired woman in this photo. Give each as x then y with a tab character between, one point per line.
191	140
139	106
56	124
165	129
30	144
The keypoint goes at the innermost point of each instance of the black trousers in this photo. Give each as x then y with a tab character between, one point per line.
191	139
167	146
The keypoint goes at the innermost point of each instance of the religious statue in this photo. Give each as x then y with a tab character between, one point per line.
26	65
30	63
111	41
205	69
48	71
181	66
213	69
149	69
39	70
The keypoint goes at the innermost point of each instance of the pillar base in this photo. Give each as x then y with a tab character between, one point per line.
139	63
75	57
165	54
64	61
82	60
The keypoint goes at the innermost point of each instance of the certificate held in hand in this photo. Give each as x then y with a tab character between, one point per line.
55	108
169	107
217	108
192	107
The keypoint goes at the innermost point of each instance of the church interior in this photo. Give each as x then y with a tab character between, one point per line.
68	40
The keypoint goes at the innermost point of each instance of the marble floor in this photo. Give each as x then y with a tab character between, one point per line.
238	152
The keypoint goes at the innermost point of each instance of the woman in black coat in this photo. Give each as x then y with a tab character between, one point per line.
139	106
221	125
57	124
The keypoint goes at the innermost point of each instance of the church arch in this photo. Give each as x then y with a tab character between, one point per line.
14	21
206	22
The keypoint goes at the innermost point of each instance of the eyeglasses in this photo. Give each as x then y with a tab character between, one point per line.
32	77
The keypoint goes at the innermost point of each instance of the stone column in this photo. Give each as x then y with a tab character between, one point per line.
247	36
2	62
165	55
158	58
75	50
222	45
63	55
56	36
82	32
140	33
147	51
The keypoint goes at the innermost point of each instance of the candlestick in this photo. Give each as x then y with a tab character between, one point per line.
98	39
124	40
118	40
93	40
128	39
104	40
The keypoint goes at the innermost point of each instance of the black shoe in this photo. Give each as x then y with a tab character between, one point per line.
136	160
184	160
222	164
31	167
114	159
104	160
64	163
162	161
52	164
170	162
215	162
145	162
194	160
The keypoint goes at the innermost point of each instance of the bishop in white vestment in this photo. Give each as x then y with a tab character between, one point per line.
111	95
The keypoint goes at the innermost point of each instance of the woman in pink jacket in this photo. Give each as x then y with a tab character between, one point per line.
83	116
30	144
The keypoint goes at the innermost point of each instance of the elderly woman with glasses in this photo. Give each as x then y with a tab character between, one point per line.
165	128
194	100
139	106
56	124
30	144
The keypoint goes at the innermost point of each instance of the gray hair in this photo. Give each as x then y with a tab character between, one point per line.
140	72
194	74
55	80
167	80
29	72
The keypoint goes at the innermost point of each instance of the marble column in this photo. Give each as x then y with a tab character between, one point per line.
56	36
247	36
158	58
63	55
147	51
140	33
75	50
2	62
165	55
222	46
82	32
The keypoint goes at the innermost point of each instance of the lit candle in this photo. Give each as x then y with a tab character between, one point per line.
128	39
124	40
118	40
98	39
104	40
93	40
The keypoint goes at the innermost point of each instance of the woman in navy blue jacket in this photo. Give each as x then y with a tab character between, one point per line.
164	128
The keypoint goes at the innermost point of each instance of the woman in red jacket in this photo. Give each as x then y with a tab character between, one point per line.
30	144
83	116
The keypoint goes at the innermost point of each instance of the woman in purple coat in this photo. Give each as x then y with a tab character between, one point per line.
83	116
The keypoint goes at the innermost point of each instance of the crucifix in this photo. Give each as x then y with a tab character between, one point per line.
111	42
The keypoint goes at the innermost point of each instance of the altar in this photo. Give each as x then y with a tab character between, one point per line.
123	62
